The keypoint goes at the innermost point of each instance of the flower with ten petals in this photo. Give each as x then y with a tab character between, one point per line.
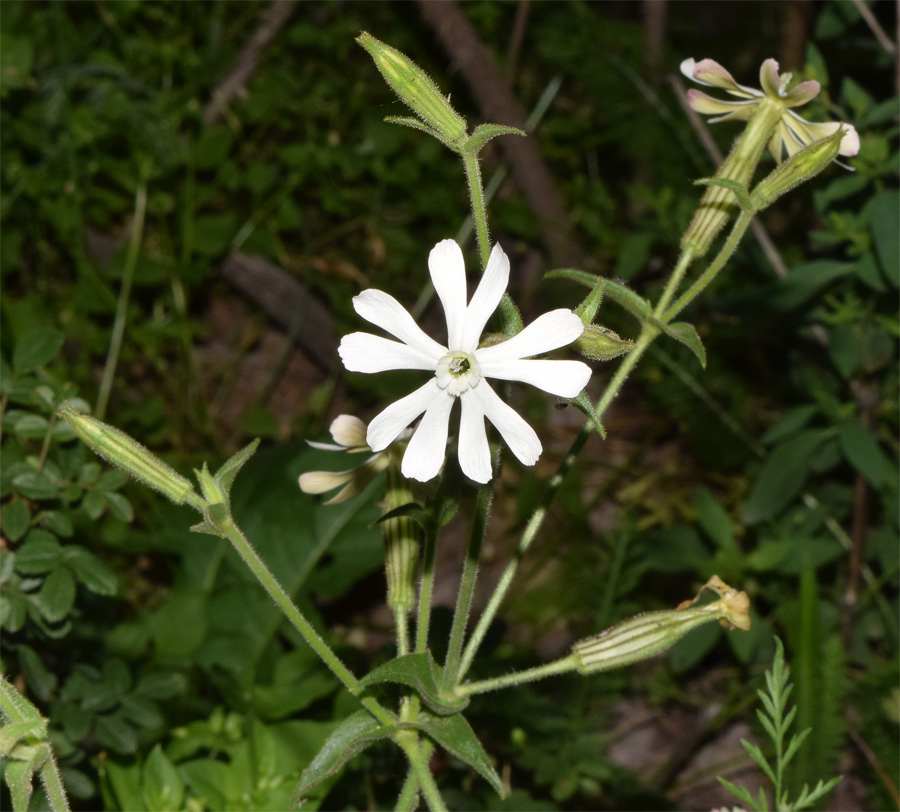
460	368
792	132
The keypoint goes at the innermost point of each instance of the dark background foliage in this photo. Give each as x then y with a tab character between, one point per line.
270	201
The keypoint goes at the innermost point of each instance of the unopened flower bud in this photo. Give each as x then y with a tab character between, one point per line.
118	448
415	88
601	344
211	489
648	634
799	168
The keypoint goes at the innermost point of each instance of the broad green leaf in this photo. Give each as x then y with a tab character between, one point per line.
41	680
16	518
114	732
885	214
40	553
353	735
90	570
36	348
161	684
687	334
7	565
456	736
120	507
421	673
111	480
57	522
35	485
57	594
803	282
93	503
12	611
790	422
864	454
782	476
162	787
31	427
124	783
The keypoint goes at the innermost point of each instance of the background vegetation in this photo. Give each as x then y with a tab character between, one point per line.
229	231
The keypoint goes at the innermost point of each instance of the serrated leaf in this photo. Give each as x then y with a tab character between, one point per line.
57	594
687	334
40	553
12	611
57	522
91	571
36	348
422	674
456	736
353	735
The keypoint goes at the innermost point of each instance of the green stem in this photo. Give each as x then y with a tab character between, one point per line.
684	262
518	678
479	212
737	233
227	528
400	622
409	795
467	586
53	785
118	331
409	741
424	618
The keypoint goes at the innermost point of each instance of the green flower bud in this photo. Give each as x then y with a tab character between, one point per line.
648	634
798	169
416	89
402	540
211	489
600	344
118	448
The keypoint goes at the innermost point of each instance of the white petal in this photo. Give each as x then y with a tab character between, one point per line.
316	482
348	430
563	378
363	352
325	446
474	451
548	332
485	299
448	273
385	428
384	311
426	450
516	433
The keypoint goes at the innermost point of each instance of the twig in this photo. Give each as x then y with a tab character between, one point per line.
876	765
514	51
274	19
712	149
880	34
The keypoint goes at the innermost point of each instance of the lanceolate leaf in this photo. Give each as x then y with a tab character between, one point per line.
456	736
485	132
687	335
351	737
583	402
229	470
619	293
421	673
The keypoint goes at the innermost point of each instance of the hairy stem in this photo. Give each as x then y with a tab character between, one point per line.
519	678
411	745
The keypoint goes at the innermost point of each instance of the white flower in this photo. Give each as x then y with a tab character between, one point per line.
349	434
461	367
792	132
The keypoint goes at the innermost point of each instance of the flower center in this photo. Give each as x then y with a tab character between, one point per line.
457	372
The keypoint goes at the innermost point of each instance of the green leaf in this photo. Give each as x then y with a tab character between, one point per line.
781	477
30	427
35	485
114	732
456	736
591	304
19	776
91	571
120	507
863	453
16	518
229	470
162	786
111	480
714	520
40	553
12	611
353	735
583	402
41	680
790	422
687	335
93	504
421	673
161	684
57	522
484	133
884	215
57	594
36	348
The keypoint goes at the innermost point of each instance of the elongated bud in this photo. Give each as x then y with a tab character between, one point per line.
717	204
648	634
118	448
600	344
402	540
210	489
415	88
803	165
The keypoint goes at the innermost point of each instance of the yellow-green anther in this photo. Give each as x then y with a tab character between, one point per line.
118	448
648	634
415	88
211	490
798	169
402	540
717	202
600	344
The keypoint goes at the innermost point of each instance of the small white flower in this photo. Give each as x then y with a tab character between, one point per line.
792	133
349	435
461	367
